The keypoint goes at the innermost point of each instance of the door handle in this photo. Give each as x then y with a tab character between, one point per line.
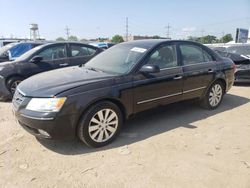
177	77
64	64
210	71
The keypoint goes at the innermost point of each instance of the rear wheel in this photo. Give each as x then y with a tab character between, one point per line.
213	96
100	125
12	84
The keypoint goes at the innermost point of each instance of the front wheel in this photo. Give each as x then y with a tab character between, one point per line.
12	84
213	96
100	125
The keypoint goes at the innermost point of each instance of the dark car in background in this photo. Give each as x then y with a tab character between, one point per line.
4	56
240	54
14	50
103	45
40	59
92	101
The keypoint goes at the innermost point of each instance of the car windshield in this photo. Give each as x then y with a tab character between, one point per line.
28	53
5	48
119	59
242	50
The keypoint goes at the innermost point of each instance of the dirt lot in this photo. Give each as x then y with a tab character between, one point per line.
180	145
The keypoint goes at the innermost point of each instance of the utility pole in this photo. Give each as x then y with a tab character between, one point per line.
168	31
67	32
222	38
202	36
126	28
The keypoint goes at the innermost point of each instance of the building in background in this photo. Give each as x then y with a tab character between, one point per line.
242	35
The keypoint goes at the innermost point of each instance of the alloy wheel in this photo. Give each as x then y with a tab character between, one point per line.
14	86
103	125
215	95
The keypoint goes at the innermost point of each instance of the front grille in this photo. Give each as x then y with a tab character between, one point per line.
18	99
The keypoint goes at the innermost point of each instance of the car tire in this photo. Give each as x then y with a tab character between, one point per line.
12	83
100	124
213	96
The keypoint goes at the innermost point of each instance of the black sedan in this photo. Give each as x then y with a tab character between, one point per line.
40	59
240	55
92	101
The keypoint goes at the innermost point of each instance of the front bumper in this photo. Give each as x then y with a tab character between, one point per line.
4	92
59	128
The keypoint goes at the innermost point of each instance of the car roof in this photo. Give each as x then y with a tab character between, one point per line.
67	42
154	42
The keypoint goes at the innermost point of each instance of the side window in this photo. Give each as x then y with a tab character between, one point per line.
207	57
53	53
164	57
77	50
192	54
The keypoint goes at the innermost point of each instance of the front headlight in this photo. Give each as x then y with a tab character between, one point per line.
46	104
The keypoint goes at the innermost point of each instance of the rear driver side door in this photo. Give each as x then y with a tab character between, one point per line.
199	69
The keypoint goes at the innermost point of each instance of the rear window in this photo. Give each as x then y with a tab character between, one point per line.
192	54
19	49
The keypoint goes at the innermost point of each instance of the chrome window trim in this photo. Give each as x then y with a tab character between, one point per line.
175	67
198	63
180	66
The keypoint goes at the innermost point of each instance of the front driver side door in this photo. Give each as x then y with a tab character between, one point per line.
54	57
160	88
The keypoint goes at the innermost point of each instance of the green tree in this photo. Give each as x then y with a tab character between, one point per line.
117	39
209	39
72	38
226	38
191	38
156	37
84	40
60	39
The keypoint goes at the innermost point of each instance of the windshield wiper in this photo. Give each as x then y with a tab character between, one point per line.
93	69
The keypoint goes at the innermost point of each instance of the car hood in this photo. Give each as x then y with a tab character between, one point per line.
6	63
51	83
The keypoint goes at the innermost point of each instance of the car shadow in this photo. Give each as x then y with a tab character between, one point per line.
243	84
150	123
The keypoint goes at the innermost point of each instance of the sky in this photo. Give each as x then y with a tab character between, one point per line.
104	18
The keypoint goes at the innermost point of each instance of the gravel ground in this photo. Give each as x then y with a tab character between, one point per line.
180	145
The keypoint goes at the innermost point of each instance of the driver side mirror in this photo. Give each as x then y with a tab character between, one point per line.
150	69
37	58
